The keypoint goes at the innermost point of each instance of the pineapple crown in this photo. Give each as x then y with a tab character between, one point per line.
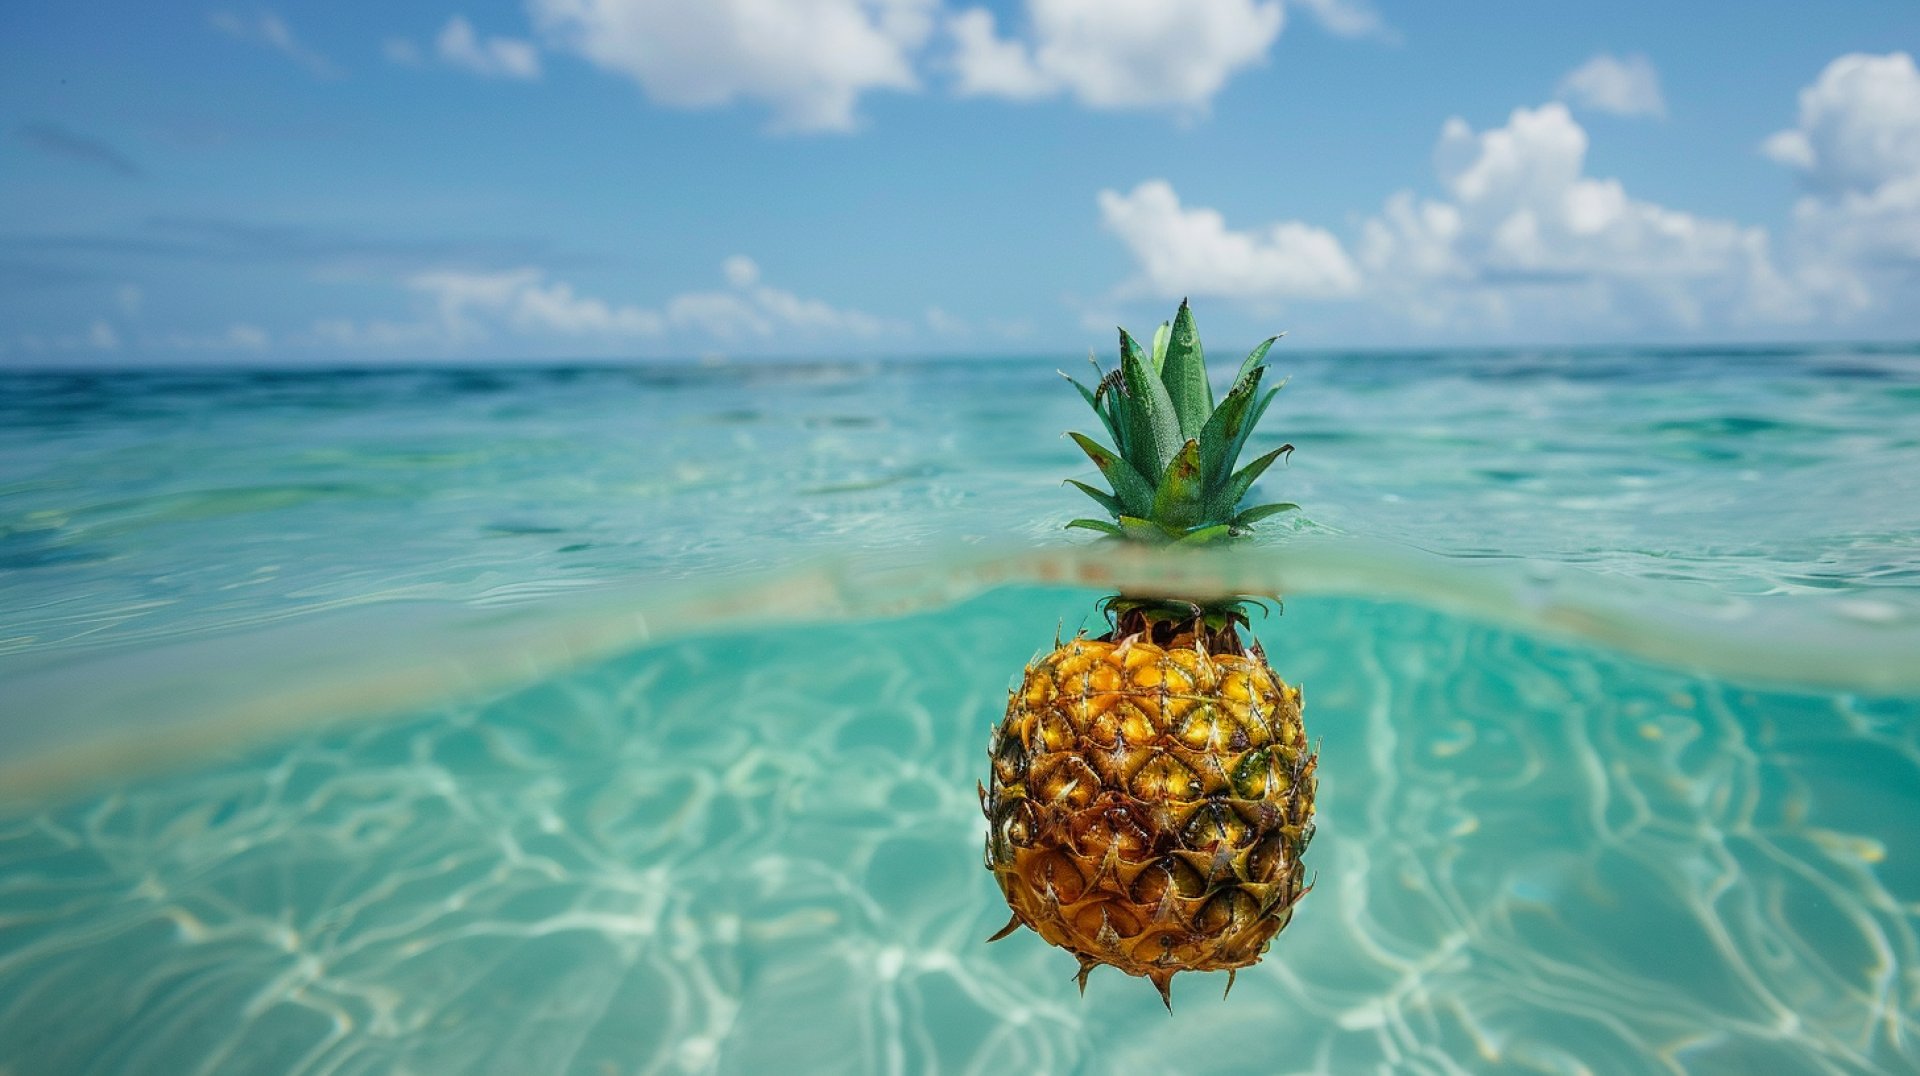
1173	477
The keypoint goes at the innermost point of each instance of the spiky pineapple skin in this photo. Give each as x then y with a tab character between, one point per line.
1148	806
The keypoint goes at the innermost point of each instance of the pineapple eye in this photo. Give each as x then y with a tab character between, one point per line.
1167	878
1067	781
1166	779
1216	827
1038	690
1269	858
1148	675
1230	911
1200	727
1056	732
1254	776
1019	825
1107	922
1057	872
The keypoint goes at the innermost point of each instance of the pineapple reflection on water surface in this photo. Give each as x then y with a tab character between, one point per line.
1151	791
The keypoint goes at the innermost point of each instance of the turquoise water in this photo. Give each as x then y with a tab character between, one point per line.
628	720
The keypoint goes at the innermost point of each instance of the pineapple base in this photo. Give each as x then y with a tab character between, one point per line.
1148	805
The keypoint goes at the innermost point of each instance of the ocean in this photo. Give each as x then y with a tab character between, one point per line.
628	718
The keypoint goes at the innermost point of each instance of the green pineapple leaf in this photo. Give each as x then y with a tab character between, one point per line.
1144	530
1105	500
1129	488
1239	442
1173	465
1094	401
1255	357
1153	433
1207	535
1221	437
1244	478
1260	512
1180	501
1185	375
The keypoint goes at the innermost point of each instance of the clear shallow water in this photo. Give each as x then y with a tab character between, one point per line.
1612	657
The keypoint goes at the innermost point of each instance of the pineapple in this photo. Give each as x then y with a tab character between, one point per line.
1152	790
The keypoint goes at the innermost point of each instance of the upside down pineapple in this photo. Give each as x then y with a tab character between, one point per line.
1151	790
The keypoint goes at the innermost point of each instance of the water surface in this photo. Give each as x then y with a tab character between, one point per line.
628	719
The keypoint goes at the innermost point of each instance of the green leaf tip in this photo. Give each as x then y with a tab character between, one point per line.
1185	375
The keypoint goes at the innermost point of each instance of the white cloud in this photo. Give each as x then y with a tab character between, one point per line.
1523	239
98	336
1859	125
1524	224
470	307
945	324
1624	86
460	45
990	66
270	30
342	334
1790	148
809	60
1346	18
240	336
247	337
749	308
400	50
1184	252
1116	53
1857	150
740	271
102	337
524	308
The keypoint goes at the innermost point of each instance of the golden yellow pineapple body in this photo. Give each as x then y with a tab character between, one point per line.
1148	804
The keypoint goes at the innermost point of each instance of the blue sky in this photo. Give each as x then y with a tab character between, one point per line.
320	182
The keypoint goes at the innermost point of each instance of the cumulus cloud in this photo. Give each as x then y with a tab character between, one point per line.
1859	125
526	308
1522	221
270	30
469	306
1118	53
1623	86
808	60
1856	148
749	308
1346	18
1522	239
1183	251
460	45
